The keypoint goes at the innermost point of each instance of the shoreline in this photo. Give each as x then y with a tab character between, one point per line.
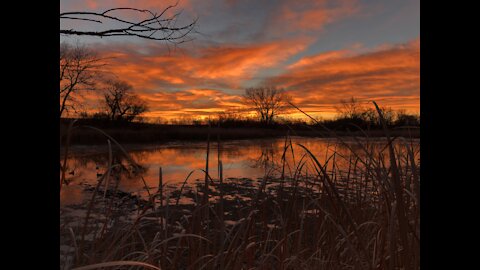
173	134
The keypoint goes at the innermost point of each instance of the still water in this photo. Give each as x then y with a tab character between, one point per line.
251	159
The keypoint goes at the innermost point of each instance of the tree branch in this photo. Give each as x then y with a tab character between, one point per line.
155	27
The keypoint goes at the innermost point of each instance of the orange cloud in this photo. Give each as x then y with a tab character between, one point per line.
206	82
167	105
192	102
207	77
154	75
225	66
389	75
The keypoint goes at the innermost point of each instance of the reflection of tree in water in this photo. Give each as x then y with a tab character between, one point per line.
231	152
141	156
121	166
83	161
266	159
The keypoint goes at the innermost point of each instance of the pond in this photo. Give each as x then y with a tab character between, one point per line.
252	159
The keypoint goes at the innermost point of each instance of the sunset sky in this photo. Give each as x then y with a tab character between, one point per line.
320	51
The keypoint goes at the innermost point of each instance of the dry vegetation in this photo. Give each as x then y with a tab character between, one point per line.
314	216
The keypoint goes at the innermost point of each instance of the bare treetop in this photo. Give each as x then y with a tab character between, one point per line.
80	67
267	101
349	108
120	101
155	27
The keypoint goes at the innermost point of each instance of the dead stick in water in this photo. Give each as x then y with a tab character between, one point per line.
205	199
160	192
204	213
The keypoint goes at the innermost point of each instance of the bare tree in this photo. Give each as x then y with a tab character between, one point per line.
229	115
370	116
154	26
405	119
350	108
388	115
79	69
121	103
267	101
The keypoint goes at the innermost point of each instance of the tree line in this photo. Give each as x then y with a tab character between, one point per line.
353	113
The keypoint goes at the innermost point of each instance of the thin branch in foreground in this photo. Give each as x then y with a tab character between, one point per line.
154	27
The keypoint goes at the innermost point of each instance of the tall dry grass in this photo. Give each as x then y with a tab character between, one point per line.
319	216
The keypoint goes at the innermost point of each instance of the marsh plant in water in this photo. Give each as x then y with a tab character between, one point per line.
354	206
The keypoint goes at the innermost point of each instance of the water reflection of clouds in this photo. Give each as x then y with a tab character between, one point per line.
240	159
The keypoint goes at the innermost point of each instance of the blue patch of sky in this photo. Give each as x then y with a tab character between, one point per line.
378	23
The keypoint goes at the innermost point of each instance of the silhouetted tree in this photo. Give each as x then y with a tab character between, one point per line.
229	116
121	103
350	108
370	116
100	116
79	70
352	113
267	101
388	115
405	119
149	25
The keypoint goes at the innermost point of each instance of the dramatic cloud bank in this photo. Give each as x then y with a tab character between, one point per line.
319	51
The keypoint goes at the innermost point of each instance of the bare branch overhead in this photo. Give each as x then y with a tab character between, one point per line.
154	27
